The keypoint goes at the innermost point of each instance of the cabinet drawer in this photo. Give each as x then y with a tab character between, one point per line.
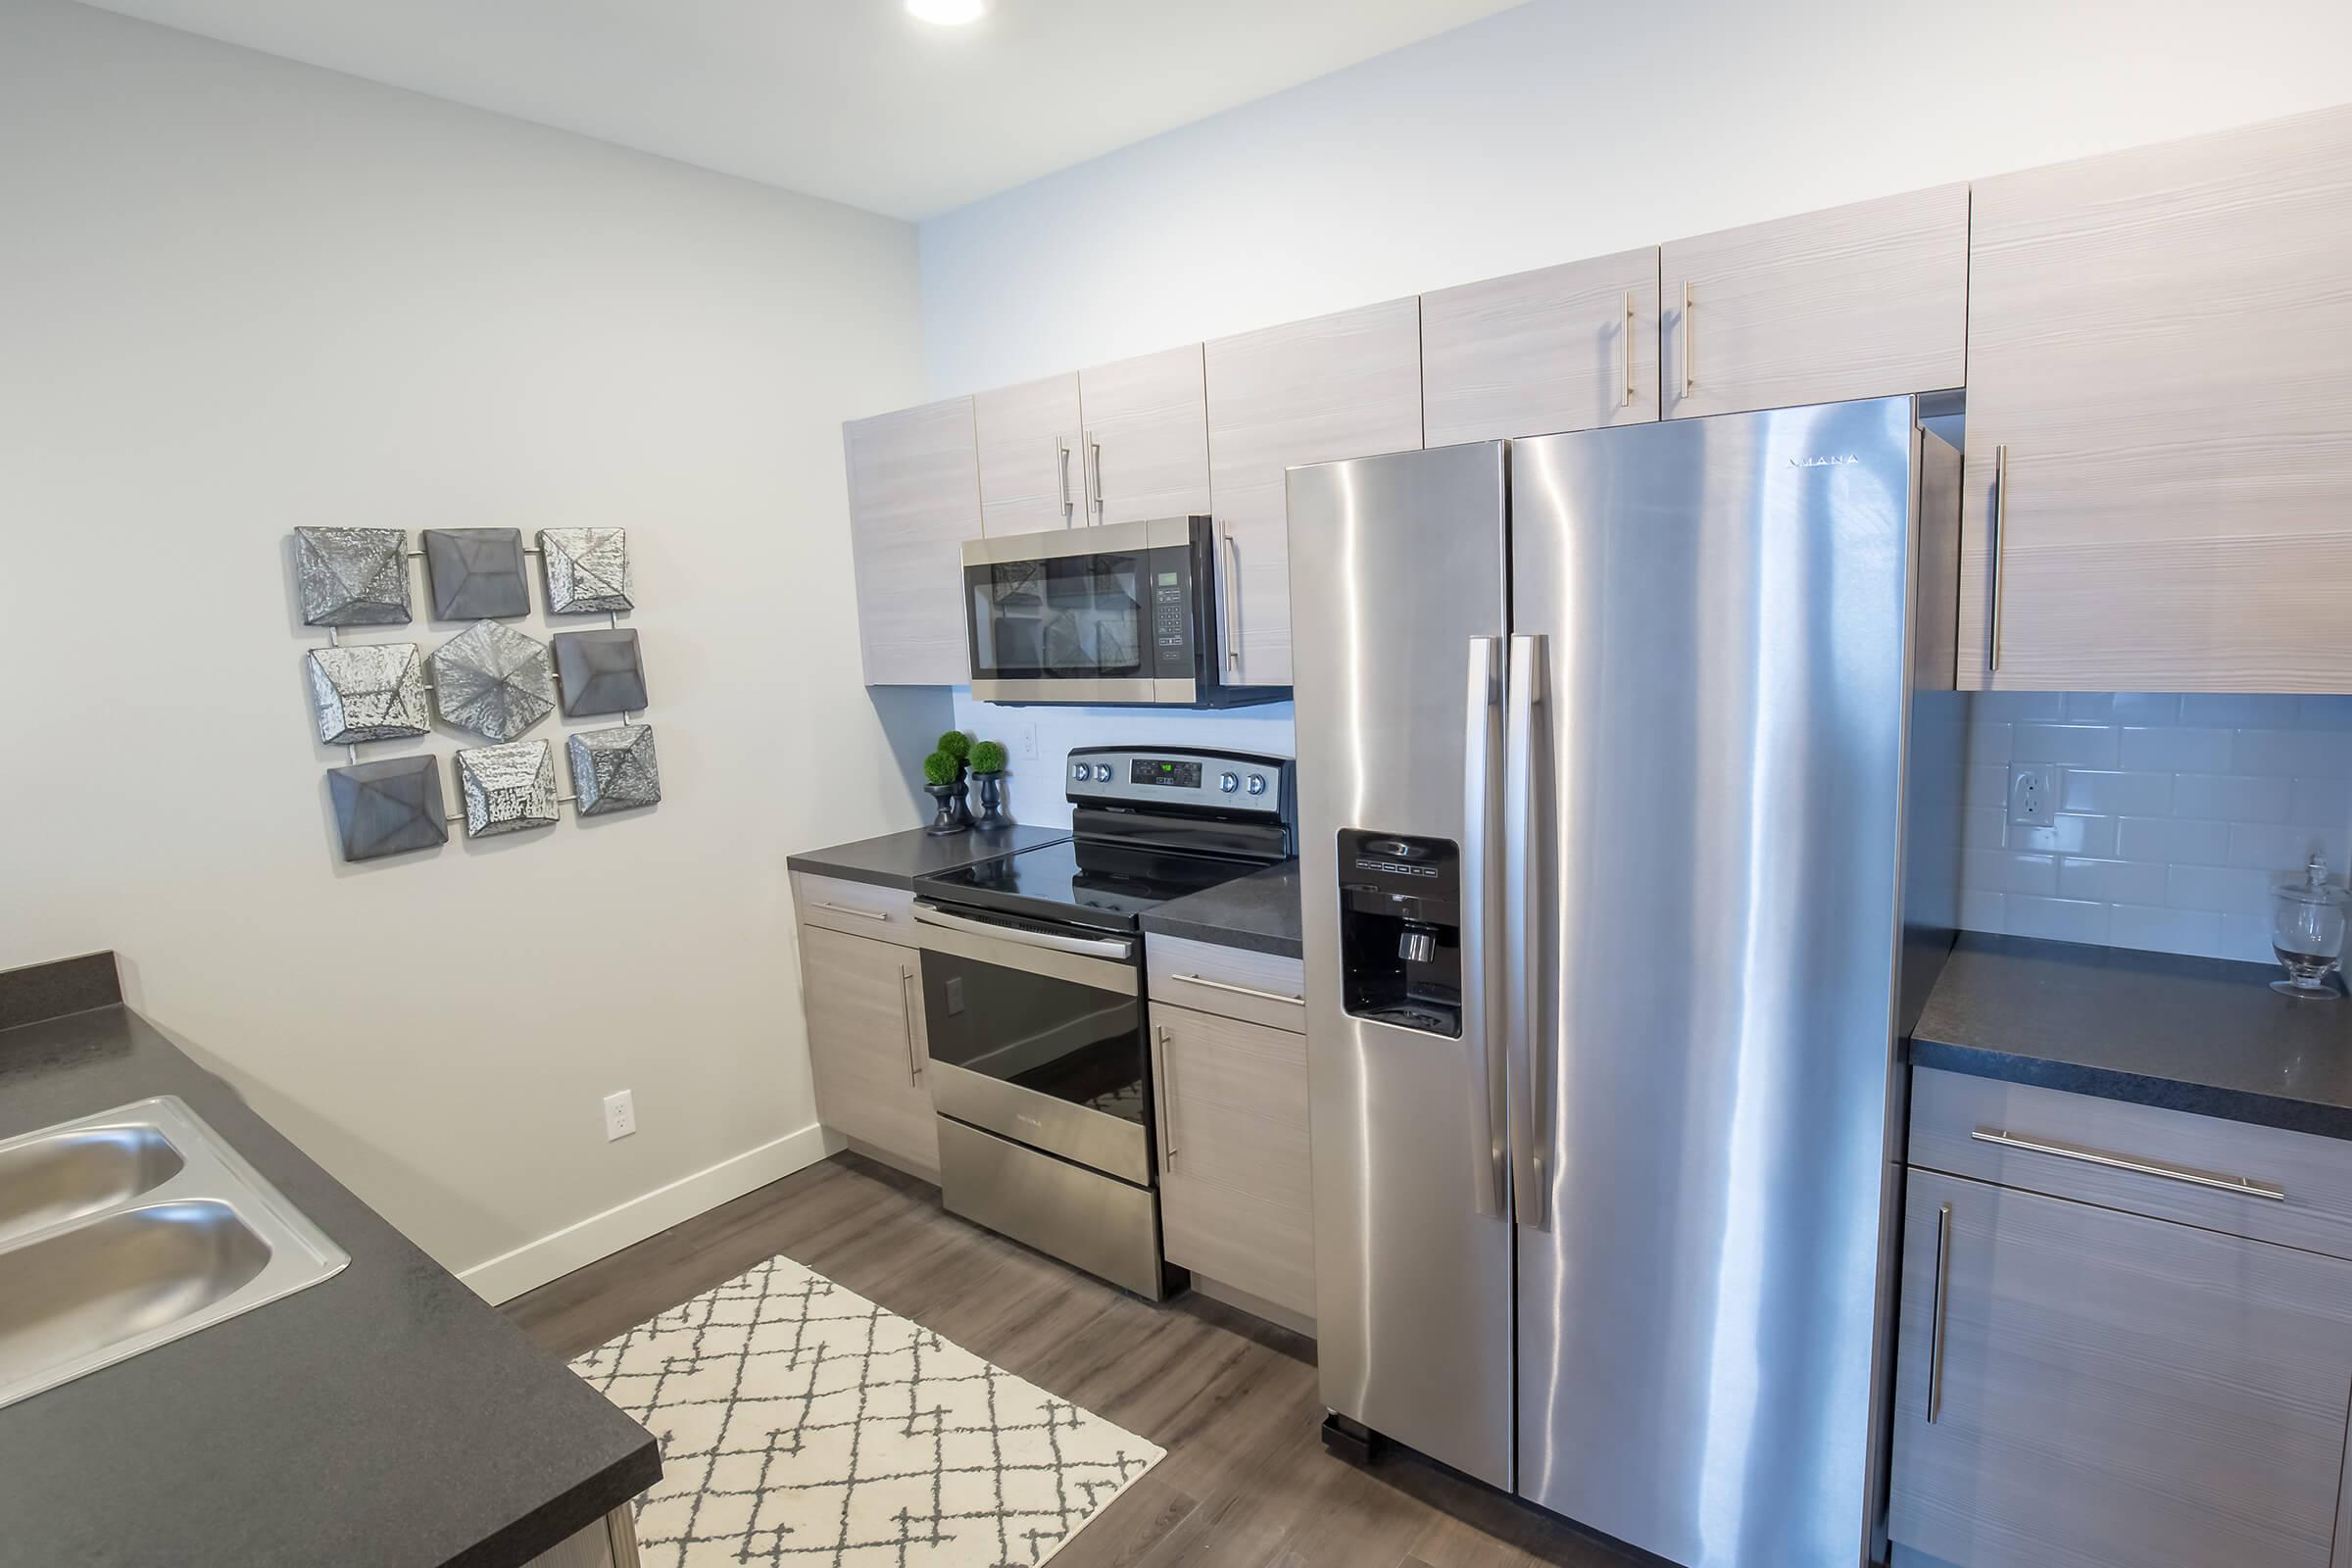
2139	1159
861	909
1232	981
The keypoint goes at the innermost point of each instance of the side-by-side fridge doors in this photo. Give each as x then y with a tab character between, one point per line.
1398	662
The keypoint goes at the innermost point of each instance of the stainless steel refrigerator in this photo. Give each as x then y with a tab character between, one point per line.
1629	799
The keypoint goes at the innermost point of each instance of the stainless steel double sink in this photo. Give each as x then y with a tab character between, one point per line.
126	1230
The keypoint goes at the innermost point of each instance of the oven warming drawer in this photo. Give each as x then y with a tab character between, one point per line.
1084	1218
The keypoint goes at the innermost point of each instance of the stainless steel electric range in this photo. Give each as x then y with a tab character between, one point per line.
1036	1004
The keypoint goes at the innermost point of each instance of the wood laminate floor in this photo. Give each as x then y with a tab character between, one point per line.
1246	1484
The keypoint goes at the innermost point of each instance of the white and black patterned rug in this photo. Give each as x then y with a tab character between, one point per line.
802	1424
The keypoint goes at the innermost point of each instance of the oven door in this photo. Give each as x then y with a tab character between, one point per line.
1037	1034
1118	613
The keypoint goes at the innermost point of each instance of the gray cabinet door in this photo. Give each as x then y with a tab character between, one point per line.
2157	351
1029	456
864	1005
1864	301
1146	438
1562	348
2114	1392
1339	386
915	499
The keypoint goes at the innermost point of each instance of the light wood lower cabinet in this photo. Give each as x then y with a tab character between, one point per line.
2160	418
1235	1195
864	1002
2079	1388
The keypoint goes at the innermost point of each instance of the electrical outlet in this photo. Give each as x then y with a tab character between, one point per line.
2032	793
1028	740
621	1115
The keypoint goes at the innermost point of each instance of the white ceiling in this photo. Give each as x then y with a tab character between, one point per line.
848	99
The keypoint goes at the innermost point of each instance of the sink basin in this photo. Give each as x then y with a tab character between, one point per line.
132	1228
56	1177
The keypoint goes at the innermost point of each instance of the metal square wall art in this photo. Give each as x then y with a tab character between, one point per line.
475	572
388	808
371	692
601	671
508	788
614	770
352	576
493	680
587	570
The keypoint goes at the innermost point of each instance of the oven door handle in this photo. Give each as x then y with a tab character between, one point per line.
1118	948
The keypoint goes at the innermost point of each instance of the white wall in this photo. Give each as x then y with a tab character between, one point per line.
1564	128
237	295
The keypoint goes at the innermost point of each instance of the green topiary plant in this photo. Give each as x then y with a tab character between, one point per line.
941	769
988	757
956	744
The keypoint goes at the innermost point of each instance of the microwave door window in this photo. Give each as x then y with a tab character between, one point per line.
1075	618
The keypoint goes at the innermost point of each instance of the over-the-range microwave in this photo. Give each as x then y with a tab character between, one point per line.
1124	614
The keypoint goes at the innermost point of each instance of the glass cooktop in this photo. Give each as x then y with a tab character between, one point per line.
1094	884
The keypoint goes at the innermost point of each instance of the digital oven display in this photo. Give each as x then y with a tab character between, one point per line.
1176	776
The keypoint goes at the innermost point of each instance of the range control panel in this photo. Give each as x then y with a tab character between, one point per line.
1180	775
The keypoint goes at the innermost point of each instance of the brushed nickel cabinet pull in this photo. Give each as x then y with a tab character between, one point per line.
1687	382
1094	445
2000	503
1240	991
1168	1111
914	1063
1628	351
1944	1288
2243	1186
1062	476
852	908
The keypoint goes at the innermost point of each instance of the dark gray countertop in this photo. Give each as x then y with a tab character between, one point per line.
2201	1035
1259	913
895	860
388	1416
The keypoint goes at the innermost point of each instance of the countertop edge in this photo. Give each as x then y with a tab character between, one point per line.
2140	1088
814	864
1157	925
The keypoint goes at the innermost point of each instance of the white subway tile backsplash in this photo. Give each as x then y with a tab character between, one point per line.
2187	841
2131	925
2069	744
2106	794
2176	813
2229	797
2056	919
2111	881
2174	748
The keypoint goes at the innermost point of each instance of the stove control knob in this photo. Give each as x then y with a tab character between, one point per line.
1080	772
1258	783
1229	782
1102	772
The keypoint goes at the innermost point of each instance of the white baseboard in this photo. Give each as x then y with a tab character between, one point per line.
534	1263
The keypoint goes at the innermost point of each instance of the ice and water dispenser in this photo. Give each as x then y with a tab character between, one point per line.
1400	930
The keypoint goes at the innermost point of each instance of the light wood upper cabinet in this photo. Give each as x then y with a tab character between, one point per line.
1855	301
1339	386
915	499
2160	343
1028	436
2111	1392
1563	348
866	1045
1147	436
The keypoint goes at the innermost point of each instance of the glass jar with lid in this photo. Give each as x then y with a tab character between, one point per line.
2307	931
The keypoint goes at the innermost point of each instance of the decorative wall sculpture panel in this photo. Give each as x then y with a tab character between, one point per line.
587	570
493	680
371	692
475	572
388	808
352	576
614	770
508	788
601	671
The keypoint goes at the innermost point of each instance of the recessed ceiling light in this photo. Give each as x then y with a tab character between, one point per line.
947	13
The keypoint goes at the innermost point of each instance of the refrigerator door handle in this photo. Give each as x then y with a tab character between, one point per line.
1525	1021
1482	967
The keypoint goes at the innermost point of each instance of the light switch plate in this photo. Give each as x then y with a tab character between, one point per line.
2032	793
